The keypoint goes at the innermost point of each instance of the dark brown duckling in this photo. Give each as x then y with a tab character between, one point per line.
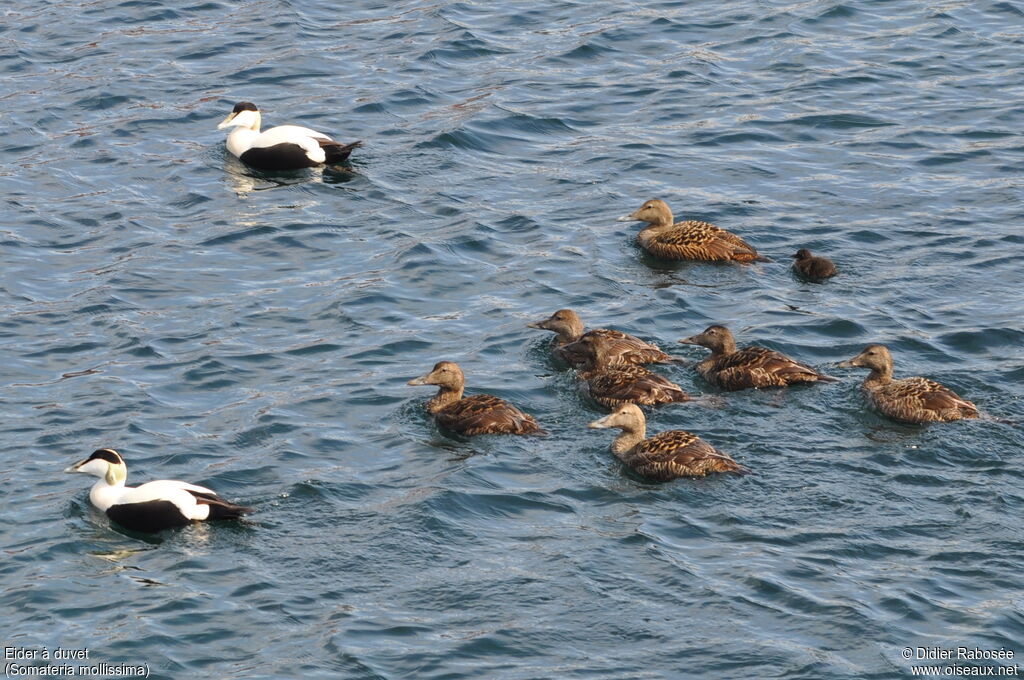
812	267
612	385
620	348
666	455
689	240
478	414
736	369
909	400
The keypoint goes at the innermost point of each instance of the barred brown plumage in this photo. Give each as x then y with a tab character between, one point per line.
667	455
910	400
736	369
620	348
477	414
689	240
612	384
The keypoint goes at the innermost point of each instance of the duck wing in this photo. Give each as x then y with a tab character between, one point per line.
287	133
758	367
486	414
624	348
678	453
695	240
618	348
619	384
181	494
920	399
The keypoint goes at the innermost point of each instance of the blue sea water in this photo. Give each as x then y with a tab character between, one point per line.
254	333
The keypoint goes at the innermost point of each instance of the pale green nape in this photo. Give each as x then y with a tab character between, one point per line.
116	473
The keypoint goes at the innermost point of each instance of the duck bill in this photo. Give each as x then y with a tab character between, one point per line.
692	340
422	380
227	121
847	364
77	466
538	324
601	423
626	218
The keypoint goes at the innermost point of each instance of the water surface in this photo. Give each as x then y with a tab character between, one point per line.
254	333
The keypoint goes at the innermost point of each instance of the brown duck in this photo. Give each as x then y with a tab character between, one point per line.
620	348
813	267
666	455
612	385
910	400
689	240
478	414
737	369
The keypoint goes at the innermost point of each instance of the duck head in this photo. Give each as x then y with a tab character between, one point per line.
105	463
445	374
565	322
802	254
655	212
718	339
245	114
627	417
592	352
876	357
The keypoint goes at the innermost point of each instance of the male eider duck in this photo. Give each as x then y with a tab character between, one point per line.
666	455
689	240
909	400
285	147
736	369
478	414
813	267
612	384
620	348
154	506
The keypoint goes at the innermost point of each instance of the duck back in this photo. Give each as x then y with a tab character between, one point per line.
486	414
678	453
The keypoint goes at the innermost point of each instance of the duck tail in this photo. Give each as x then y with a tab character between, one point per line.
221	509
338	153
827	378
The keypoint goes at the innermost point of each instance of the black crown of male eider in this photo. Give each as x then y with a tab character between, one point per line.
285	147
154	506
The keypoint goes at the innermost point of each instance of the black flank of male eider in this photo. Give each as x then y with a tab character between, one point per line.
612	385
908	400
620	348
667	455
812	267
731	369
476	414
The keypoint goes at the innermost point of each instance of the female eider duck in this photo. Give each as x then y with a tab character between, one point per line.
666	455
154	506
689	240
285	147
620	348
737	369
612	384
909	400
478	414
813	267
